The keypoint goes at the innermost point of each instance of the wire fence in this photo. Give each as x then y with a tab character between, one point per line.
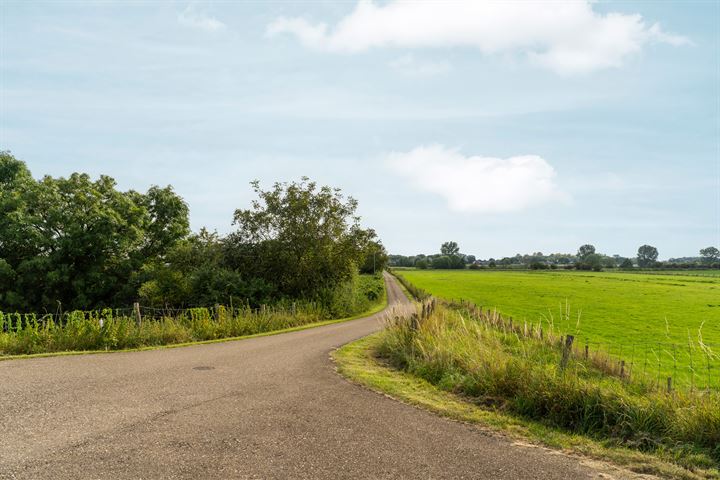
693	364
16	322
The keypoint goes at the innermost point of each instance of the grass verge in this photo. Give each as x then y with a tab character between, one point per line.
377	306
359	362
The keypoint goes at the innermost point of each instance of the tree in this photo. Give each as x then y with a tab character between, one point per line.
78	241
591	261
585	250
626	263
302	238
710	255
449	248
647	256
375	258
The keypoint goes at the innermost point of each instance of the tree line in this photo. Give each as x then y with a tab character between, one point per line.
79	243
586	258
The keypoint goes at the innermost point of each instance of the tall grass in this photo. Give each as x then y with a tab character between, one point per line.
110	329
519	369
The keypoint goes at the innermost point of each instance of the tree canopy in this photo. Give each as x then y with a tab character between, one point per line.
647	256
77	241
449	248
585	250
301	237
710	254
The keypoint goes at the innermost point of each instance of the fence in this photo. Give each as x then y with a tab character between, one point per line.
15	322
693	365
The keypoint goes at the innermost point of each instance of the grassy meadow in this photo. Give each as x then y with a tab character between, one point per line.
657	321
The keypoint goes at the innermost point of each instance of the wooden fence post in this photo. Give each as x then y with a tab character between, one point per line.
587	351
567	348
138	317
669	384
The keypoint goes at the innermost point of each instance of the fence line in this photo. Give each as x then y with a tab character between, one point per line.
668	365
19	321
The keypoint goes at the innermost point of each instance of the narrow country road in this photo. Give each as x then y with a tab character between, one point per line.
268	407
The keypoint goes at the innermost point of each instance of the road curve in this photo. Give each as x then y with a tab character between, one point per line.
267	407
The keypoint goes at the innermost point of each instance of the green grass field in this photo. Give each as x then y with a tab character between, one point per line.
653	320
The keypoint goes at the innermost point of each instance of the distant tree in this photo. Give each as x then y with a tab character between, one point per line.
539	266
492	263
470	258
626	263
422	264
608	262
647	256
585	250
591	261
449	248
441	262
710	254
376	258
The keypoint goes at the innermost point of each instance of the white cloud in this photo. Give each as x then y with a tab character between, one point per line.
411	66
567	37
479	184
192	17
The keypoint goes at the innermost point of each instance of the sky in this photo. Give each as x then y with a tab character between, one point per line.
508	127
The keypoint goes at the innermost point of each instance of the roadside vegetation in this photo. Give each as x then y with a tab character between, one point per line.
110	329
82	262
661	325
535	374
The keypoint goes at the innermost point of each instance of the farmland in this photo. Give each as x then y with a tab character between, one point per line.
657	321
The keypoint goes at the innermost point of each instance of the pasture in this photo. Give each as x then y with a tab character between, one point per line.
664	324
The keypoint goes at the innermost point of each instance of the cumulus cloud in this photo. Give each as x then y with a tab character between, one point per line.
476	183
194	18
567	37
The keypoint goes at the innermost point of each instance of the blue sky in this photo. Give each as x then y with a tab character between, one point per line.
507	127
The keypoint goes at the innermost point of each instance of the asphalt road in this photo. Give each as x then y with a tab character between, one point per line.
268	407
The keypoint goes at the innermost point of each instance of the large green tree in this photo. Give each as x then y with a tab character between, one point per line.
299	236
78	241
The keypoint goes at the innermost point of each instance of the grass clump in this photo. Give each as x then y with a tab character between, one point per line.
510	369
